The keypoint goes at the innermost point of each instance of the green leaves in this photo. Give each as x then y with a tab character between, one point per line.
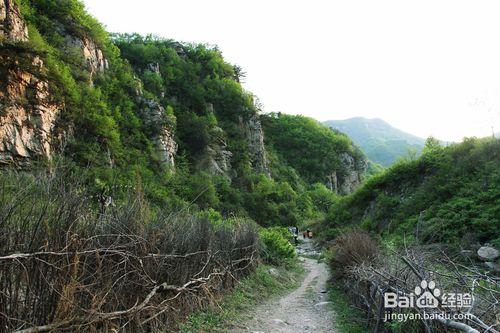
277	247
304	144
450	194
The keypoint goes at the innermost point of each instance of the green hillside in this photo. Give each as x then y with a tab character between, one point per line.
382	143
172	116
306	145
448	195
137	183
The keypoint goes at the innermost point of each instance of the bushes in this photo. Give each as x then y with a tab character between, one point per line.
447	194
350	249
312	149
67	264
276	245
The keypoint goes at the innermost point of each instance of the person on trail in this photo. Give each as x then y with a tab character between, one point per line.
296	235
309	233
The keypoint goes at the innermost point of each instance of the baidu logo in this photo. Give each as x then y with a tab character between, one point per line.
427	298
434	303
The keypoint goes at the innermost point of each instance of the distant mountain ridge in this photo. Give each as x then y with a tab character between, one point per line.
381	142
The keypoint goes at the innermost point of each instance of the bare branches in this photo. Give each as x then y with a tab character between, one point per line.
401	273
64	267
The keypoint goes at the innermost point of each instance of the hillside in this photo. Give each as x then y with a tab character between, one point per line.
381	142
306	146
127	108
448	195
432	218
136	177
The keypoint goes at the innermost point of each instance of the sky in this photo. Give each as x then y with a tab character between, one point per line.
428	67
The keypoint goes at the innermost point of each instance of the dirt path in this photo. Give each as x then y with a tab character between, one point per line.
304	310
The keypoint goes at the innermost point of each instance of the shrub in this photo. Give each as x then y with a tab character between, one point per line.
352	248
73	267
276	245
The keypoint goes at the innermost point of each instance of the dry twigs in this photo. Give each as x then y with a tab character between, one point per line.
400	273
64	268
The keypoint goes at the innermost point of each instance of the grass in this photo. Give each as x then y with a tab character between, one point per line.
252	290
348	319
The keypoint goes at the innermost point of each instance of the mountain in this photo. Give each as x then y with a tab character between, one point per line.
127	108
135	171
381	142
304	144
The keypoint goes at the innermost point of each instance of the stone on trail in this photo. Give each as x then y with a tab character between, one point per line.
279	322
321	304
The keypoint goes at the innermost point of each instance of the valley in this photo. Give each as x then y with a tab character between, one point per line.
143	189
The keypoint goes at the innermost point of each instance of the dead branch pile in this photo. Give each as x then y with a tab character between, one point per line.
367	281
65	267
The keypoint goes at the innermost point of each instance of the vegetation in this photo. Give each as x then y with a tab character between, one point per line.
366	270
382	143
249	292
205	108
448	195
277	245
72	266
348	319
311	149
106	235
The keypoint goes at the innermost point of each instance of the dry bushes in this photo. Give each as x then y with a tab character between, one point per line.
65	267
352	249
366	278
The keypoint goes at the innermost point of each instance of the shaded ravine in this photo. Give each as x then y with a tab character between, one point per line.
305	309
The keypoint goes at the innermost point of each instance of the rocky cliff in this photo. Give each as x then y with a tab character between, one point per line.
12	26
216	157
255	140
95	62
156	120
349	175
27	111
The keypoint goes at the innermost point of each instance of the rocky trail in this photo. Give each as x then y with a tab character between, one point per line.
306	309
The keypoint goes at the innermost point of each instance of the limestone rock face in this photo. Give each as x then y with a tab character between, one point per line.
154	67
349	175
12	26
93	55
216	158
27	114
155	117
255	138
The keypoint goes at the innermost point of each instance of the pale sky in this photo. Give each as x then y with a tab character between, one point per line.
428	67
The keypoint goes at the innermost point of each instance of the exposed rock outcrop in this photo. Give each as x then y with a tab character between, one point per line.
349	175
155	118
487	253
256	149
12	25
93	55
27	114
216	158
